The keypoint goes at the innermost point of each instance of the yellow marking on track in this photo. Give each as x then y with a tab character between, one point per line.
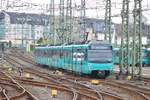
9	69
54	93
58	72
27	75
129	77
95	82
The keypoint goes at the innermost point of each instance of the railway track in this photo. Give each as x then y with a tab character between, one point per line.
79	88
75	92
129	91
141	90
22	92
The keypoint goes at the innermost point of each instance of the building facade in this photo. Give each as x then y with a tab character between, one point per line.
22	28
27	28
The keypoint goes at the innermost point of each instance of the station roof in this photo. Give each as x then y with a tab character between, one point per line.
29	18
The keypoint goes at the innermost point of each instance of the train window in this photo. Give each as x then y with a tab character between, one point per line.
148	54
44	53
61	54
41	53
49	53
67	54
117	53
35	54
64	53
52	53
38	53
85	54
78	56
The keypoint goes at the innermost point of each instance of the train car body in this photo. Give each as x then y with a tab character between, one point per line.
116	55
145	56
4	44
95	58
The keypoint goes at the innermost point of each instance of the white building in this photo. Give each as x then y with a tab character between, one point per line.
23	28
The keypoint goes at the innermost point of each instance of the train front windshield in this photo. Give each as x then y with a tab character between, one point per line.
100	55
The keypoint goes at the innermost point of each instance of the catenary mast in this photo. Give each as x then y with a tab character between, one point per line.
124	50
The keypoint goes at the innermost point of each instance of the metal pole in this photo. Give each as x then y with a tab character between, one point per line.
61	29
137	45
69	20
108	21
52	22
33	33
22	35
82	19
124	58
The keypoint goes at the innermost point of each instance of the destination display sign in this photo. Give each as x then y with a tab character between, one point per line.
100	47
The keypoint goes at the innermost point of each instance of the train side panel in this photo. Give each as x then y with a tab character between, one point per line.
72	58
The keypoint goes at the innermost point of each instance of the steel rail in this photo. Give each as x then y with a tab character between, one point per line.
122	86
5	94
145	91
56	81
24	90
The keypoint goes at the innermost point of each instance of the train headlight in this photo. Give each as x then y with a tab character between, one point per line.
89	67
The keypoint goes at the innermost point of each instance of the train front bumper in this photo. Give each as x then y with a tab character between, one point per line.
105	66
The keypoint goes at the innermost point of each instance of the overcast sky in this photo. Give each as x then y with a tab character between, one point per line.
100	12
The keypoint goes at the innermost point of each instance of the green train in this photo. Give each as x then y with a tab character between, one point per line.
145	56
94	58
4	45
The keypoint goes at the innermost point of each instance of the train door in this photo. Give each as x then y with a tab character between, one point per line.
78	60
68	63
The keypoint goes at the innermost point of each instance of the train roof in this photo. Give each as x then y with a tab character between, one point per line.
130	49
57	47
75	45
